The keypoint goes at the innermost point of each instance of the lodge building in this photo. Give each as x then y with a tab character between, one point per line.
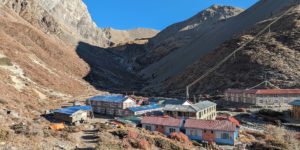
262	97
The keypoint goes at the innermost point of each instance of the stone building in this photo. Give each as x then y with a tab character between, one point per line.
262	97
111	104
201	110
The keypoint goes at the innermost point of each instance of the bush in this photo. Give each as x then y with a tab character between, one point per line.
165	144
3	135
144	144
120	133
132	134
5	62
180	137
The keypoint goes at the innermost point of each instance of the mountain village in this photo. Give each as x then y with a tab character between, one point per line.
223	79
203	121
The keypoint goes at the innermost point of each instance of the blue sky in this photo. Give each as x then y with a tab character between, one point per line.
156	14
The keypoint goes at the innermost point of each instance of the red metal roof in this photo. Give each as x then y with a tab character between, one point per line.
220	125
265	91
165	121
229	118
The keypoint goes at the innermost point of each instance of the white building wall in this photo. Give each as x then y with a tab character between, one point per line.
189	131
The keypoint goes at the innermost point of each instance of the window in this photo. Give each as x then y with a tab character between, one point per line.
204	131
148	128
225	136
172	130
193	132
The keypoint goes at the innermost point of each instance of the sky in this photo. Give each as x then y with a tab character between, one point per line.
155	14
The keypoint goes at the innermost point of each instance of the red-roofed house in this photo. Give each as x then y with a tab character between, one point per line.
263	97
165	125
229	118
219	131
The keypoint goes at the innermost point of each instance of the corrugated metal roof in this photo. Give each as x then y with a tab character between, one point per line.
164	121
295	103
71	110
109	98
182	108
190	108
146	107
220	125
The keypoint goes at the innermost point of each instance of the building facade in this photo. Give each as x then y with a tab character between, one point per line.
295	110
262	97
111	105
165	125
201	110
218	131
74	114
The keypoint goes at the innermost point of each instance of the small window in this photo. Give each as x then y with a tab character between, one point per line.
172	130
148	128
204	131
225	136
212	132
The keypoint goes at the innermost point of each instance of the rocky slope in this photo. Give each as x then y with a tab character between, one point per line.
181	34
274	55
176	62
71	22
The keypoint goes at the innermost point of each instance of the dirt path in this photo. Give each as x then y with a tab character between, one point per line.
88	138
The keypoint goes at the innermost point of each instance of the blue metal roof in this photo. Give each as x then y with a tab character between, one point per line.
295	103
71	110
146	107
108	98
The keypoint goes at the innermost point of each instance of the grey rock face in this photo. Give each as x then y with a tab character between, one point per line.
73	14
70	21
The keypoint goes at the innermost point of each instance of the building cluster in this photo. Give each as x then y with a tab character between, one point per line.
199	121
262	97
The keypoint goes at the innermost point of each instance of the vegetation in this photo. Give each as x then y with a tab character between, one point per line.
5	62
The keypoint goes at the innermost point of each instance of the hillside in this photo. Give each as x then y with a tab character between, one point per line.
170	66
181	34
274	56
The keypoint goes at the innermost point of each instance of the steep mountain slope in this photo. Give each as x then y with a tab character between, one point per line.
177	61
35	66
274	55
181	34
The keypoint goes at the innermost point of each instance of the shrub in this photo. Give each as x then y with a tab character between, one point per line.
180	137
144	144
132	134
5	62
